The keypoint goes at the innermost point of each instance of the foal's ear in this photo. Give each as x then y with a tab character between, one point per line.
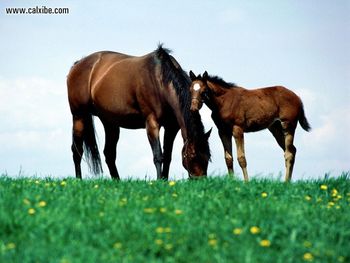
207	134
205	75
192	75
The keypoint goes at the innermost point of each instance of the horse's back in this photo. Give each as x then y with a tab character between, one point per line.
127	90
287	102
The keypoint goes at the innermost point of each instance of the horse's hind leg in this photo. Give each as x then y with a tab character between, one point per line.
152	128
290	150
277	132
110	150
77	144
239	138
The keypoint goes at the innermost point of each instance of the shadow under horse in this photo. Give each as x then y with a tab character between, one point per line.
150	91
236	110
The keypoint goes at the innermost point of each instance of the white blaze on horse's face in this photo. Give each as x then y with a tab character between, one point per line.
196	87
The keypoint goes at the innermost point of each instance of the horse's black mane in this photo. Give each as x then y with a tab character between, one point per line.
171	71
221	82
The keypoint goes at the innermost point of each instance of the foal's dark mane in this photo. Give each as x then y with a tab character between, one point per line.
171	71
221	82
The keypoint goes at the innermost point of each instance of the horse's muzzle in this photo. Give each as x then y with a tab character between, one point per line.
196	177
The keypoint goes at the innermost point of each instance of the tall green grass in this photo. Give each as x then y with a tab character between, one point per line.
213	220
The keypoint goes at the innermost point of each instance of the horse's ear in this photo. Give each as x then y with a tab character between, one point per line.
207	134
192	75
205	75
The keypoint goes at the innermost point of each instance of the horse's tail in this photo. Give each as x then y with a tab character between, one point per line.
90	146
302	119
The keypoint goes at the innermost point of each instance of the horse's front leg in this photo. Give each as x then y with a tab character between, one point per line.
238	134
110	151
169	137
152	128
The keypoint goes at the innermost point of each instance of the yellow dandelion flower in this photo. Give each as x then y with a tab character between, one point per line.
26	201
337	197
172	183
264	194
308	257
331	203
159	242
334	192
149	210
212	242
168	246
237	231
31	211
323	187
265	243
254	230
96	186
307	244
10	245
64	260
178	212
160	230
63	183
308	198
42	204
123	201
162	209
117	245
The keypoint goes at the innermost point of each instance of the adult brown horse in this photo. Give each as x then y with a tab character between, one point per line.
150	91
236	110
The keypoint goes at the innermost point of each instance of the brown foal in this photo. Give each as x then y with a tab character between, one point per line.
236	110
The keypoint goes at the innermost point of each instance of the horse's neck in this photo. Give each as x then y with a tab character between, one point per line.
218	96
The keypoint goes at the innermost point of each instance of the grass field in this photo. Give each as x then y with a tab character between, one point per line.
213	220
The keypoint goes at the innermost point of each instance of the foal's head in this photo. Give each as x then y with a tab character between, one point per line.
198	90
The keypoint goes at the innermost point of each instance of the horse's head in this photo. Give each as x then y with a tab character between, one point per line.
198	90
196	156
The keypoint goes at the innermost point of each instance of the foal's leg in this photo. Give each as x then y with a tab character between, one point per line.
239	138
152	127
226	140
77	144
290	150
169	137
277	132
110	151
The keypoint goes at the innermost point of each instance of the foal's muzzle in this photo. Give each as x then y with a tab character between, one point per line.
196	104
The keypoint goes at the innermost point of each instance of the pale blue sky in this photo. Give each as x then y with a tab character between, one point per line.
303	45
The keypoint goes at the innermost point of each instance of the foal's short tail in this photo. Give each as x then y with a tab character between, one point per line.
90	146
303	121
